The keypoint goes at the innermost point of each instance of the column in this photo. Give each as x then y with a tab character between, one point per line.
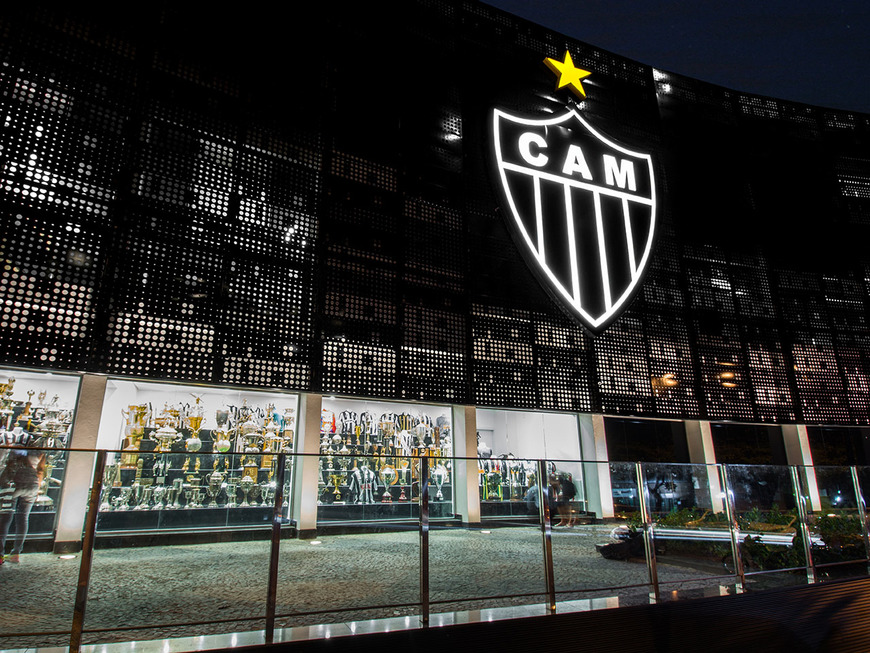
699	437
73	504
596	470
305	483
466	494
797	452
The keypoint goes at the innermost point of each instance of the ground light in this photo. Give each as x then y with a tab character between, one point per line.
67	556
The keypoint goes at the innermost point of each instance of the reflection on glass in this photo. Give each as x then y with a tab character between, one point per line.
690	524
767	519
833	520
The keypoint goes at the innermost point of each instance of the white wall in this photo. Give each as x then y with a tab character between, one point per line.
553	436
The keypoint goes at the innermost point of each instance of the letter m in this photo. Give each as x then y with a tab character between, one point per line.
620	174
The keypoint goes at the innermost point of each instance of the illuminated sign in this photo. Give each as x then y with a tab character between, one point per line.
582	207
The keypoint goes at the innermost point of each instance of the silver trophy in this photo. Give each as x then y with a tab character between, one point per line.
145	503
247	484
440	474
215	483
159	492
122	501
110	474
232	493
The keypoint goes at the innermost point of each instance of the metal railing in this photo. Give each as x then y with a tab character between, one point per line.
717	524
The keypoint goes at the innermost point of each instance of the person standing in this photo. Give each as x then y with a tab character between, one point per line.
19	487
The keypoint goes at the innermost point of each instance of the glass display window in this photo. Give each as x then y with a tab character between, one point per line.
36	416
193	456
371	458
509	445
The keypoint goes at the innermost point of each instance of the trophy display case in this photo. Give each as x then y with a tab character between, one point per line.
187	457
509	444
36	410
371	458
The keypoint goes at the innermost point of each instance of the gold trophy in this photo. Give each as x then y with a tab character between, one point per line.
194	422
137	419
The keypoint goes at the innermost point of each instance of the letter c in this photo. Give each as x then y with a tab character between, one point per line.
525	143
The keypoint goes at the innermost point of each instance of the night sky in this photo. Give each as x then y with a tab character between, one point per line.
816	52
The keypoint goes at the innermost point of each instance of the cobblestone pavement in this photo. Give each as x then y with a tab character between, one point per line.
139	592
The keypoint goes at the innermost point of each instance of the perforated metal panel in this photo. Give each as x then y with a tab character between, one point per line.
184	199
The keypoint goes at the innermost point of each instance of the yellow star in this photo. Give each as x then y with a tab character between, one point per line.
569	74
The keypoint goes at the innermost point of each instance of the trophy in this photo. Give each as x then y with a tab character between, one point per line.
389	478
336	480
222	442
159	492
247	483
440	474
165	436
137	418
215	483
267	494
110	474
145	503
173	495
122	501
232	489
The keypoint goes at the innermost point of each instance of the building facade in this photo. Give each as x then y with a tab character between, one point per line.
299	213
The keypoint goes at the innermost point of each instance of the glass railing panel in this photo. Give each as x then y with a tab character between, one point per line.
148	583
834	521
768	521
353	571
178	490
503	485
355	488
38	587
591	558
494	566
690	525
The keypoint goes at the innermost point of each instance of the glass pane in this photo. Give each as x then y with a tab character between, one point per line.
496	566
767	516
38	588
508	488
833	520
370	460
210	576
594	559
690	522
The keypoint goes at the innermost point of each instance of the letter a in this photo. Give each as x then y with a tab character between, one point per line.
576	162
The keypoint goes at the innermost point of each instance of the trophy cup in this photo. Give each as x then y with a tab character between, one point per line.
174	495
215	483
267	494
145	503
232	490
336	480
110	474
137	418
159	492
122	501
222	442
194	422
247	483
165	436
440	474
389	478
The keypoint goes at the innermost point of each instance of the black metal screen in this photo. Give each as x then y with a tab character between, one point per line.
306	201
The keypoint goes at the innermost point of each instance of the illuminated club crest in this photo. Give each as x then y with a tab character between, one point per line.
582	209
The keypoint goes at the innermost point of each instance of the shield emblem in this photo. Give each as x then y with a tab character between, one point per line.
582	210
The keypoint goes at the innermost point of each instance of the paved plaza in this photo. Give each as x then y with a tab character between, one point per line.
137	593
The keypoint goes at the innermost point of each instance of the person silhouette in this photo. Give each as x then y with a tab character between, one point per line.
19	487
